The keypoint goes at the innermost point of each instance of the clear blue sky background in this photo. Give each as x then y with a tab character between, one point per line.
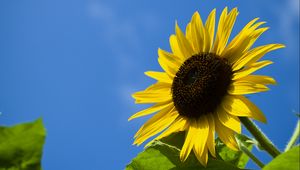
75	63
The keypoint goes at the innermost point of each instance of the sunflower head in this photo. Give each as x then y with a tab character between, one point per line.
200	84
202	88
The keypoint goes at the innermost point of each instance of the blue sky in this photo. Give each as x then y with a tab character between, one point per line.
75	63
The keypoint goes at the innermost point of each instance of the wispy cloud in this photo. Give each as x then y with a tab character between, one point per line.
114	29
289	23
294	5
122	34
288	17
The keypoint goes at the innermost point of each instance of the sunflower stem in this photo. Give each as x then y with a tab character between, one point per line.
251	155
294	137
261	138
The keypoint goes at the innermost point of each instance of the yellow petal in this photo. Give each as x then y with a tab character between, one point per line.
210	27
257	79
255	35
158	86
254	55
226	135
202	36
150	110
153	90
154	118
203	158
198	32
241	106
242	34
225	26
230	121
156	124
211	135
168	67
190	37
242	88
200	139
220	31
189	141
169	62
173	58
243	41
241	48
180	124
159	76
252	68
256	113
183	43
152	97
175	47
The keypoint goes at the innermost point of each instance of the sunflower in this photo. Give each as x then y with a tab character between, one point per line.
202	88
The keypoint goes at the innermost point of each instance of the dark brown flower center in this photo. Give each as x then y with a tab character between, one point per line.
200	84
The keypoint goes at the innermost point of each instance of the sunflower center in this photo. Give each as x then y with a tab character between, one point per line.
200	84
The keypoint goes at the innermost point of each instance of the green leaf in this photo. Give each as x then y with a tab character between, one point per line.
287	160
21	146
163	156
175	139
237	158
